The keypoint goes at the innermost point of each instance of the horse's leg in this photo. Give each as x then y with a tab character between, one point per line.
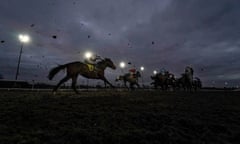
125	84
106	81
105	84
132	86
162	87
137	85
74	81
61	82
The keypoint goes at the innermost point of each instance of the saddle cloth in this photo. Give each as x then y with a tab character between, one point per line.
91	67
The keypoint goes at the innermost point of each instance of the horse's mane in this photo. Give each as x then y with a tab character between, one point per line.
104	60
101	61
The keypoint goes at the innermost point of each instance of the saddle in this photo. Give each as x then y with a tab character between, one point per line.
132	75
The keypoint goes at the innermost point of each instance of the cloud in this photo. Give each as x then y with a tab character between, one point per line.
199	33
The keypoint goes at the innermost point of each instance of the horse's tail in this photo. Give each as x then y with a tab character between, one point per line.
55	70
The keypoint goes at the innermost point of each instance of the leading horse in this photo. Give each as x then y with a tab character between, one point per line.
86	70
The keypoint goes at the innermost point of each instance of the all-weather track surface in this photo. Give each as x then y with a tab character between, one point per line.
119	117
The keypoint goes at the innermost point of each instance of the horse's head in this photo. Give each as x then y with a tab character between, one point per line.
189	70
138	74
109	63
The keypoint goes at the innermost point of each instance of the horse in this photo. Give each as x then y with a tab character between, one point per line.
189	73
186	79
164	80
197	84
86	70
131	79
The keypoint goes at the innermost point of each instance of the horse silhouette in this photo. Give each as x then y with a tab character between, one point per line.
197	83
131	79
186	79
164	80
86	70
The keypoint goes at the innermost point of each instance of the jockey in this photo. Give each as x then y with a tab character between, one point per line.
92	62
93	59
132	72
163	71
189	72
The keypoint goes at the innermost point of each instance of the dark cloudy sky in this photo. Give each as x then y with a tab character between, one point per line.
204	34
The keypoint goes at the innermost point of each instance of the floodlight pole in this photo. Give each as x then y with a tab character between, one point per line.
142	69
19	60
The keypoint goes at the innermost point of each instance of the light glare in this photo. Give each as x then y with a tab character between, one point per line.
24	38
88	55
122	64
155	72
